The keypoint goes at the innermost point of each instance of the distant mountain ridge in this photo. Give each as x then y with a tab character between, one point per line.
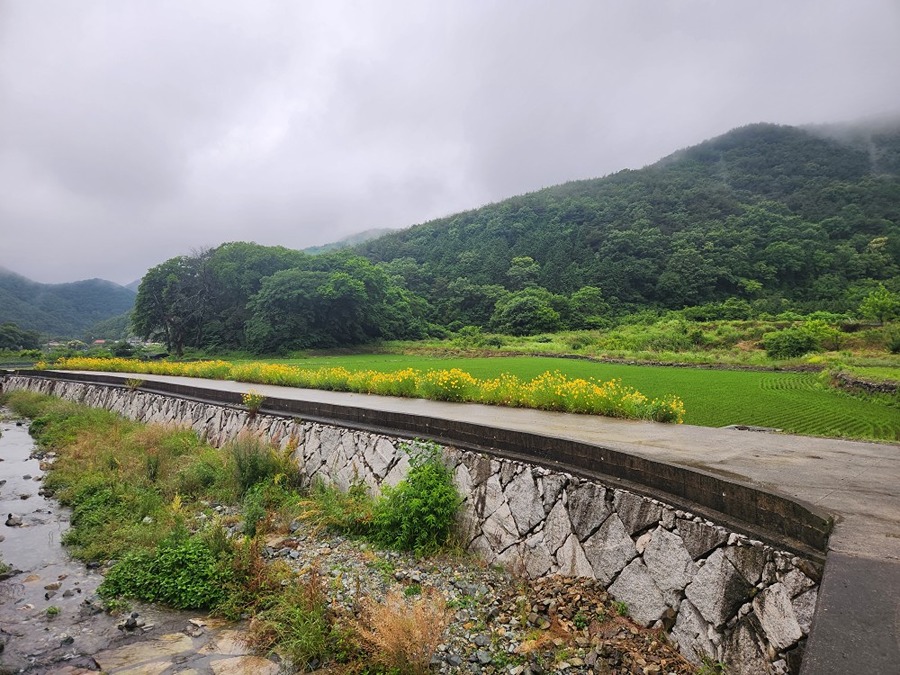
772	214
60	310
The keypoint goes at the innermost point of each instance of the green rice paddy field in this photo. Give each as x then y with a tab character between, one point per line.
794	402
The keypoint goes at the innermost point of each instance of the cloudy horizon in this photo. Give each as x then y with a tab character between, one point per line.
134	132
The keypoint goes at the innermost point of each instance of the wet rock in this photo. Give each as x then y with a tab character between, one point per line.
718	589
636	512
776	616
699	538
635	587
588	509
13	520
609	549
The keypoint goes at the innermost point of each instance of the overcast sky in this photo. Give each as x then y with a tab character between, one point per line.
134	131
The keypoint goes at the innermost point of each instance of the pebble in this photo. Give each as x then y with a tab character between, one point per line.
485	634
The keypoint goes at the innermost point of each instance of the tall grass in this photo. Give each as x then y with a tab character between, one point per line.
402	634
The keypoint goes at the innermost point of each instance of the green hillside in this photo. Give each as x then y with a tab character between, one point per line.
779	216
758	222
61	310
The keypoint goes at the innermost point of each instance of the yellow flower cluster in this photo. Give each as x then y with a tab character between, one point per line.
549	391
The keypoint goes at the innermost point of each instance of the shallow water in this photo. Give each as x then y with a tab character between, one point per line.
45	575
76	634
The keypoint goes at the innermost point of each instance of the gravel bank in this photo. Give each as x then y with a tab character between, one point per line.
499	623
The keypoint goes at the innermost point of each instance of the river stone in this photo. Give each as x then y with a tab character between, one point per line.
244	665
634	586
745	653
691	634
609	549
524	502
229	643
572	560
587	509
804	608
776	616
669	564
636	512
717	590
557	527
748	560
143	652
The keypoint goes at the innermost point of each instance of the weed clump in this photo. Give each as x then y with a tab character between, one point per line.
418	514
401	634
183	572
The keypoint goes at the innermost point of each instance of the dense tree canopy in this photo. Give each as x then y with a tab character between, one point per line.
271	299
762	219
14	338
764	213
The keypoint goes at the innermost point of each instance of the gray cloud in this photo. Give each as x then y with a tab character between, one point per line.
132	132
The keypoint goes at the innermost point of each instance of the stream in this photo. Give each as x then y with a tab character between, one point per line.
50	618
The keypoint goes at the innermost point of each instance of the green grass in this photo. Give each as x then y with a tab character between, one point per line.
875	373
795	402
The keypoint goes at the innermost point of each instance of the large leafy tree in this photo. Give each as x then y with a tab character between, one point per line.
172	302
330	301
13	337
526	312
881	305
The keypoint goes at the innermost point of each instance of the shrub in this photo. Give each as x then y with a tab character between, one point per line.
297	623
182	572
350	511
253	402
418	513
402	634
255	461
893	342
789	343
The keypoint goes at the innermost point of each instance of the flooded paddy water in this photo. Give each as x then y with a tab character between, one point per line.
51	621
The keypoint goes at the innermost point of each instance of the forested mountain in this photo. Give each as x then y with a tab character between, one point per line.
772	214
350	241
760	220
60	310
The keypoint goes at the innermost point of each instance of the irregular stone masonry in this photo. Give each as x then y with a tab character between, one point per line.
719	594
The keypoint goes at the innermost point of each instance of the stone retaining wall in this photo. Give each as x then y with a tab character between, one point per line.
719	594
